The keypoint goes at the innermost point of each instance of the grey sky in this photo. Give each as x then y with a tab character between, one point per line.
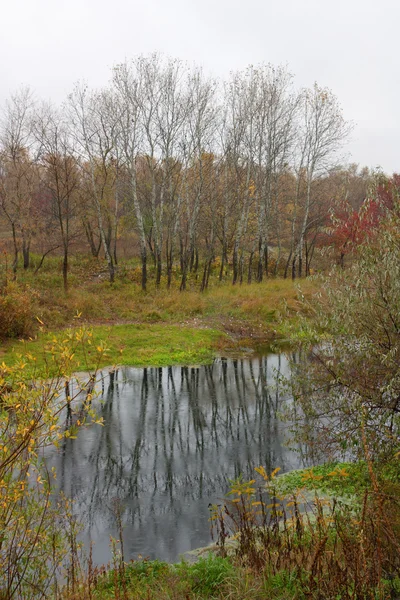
350	46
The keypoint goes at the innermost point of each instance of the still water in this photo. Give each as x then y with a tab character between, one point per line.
172	437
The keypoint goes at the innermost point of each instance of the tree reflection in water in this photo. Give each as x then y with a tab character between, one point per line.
172	438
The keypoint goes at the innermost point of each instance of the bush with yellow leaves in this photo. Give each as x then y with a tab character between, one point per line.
35	530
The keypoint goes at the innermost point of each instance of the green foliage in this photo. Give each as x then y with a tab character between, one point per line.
348	386
129	344
248	314
334	478
207	575
143	579
135	574
285	585
158	328
311	547
146	569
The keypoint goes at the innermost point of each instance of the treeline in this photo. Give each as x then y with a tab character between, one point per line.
188	168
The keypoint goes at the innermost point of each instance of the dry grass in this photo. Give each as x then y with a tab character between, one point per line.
100	302
238	316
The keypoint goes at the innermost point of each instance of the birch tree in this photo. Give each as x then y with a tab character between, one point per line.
276	111
19	174
171	117
95	125
127	85
322	132
240	153
198	140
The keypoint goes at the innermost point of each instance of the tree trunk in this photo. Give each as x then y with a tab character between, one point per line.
250	269
90	238
294	268
206	275
144	267
15	243
158	266
223	260
65	269
241	260
26	253
196	260
235	265
285	274
115	251
182	287
170	258
266	259
260	264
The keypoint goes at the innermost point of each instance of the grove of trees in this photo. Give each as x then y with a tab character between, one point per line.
192	173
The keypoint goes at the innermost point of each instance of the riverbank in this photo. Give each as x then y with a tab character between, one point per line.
160	327
291	557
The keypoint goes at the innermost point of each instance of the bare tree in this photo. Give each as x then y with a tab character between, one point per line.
60	176
322	132
19	175
198	139
127	85
233	170
261	107
94	121
239	156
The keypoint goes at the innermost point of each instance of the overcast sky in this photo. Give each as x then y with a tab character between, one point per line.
350	46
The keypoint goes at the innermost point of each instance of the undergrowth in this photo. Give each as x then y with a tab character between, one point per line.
248	310
277	546
318	548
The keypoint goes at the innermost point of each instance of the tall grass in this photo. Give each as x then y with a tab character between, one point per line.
98	301
323	549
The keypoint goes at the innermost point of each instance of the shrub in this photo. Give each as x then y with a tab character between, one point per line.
17	309
347	388
325	549
36	533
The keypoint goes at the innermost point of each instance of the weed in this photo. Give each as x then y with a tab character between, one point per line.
250	312
37	534
207	575
321	549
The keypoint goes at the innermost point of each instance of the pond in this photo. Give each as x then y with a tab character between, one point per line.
172	438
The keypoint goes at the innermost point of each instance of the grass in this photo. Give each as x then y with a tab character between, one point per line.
333	478
216	577
281	551
129	344
212	577
158	327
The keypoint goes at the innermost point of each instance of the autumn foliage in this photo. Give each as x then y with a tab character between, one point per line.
348	228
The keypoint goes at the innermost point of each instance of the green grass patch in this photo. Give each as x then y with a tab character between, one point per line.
207	575
154	579
334	478
130	344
